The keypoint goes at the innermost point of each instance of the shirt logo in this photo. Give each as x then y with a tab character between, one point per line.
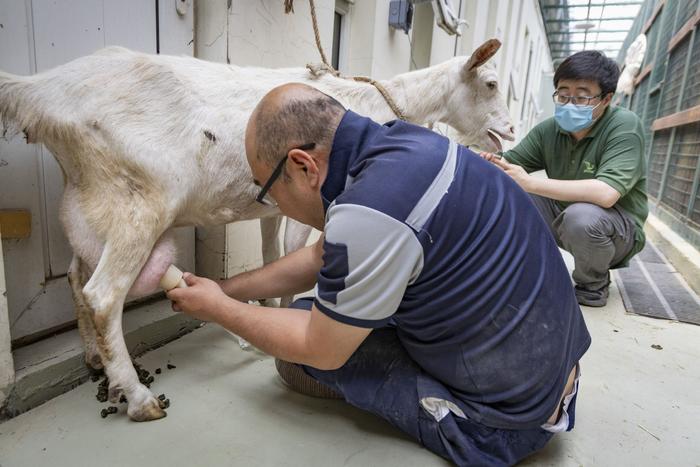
588	168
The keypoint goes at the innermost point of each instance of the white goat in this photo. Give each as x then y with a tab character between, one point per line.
147	143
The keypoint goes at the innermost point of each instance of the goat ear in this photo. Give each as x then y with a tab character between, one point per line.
482	54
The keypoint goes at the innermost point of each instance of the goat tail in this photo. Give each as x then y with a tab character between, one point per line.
17	109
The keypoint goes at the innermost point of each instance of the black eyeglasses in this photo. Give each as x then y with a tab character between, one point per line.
276	174
576	100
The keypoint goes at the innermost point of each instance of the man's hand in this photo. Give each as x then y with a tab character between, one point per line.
515	172
489	156
202	299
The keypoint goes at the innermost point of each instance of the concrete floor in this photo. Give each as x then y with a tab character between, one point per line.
638	406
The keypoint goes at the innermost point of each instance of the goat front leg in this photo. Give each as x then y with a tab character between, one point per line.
296	235
105	292
78	275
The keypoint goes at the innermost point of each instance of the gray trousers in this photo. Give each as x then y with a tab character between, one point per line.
598	238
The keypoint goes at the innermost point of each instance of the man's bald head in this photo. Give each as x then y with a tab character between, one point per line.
289	116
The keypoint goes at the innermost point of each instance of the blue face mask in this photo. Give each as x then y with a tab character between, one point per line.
573	118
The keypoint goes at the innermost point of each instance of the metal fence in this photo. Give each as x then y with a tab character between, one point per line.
667	99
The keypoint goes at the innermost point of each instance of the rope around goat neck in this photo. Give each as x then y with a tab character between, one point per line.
328	68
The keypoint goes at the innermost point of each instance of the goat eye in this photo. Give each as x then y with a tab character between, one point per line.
492	85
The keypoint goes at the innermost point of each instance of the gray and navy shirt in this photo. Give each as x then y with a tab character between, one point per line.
424	235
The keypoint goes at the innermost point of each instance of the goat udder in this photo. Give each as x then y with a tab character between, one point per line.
162	256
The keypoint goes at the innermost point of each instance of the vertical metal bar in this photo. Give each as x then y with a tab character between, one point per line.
649	77
696	181
672	139
157	27
679	104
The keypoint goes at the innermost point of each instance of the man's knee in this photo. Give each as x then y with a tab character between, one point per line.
581	222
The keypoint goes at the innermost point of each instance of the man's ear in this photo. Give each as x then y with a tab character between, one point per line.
304	162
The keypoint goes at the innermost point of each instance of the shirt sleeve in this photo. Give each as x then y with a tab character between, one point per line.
369	258
529	153
622	163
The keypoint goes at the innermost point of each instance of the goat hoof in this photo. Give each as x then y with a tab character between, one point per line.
152	409
115	393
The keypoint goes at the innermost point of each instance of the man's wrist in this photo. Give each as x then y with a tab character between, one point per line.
232	287
223	308
531	184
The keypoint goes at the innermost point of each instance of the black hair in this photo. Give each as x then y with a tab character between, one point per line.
591	65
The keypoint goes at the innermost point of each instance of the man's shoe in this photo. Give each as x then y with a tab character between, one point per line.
595	298
294	377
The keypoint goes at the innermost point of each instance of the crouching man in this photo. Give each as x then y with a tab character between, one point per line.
442	303
595	198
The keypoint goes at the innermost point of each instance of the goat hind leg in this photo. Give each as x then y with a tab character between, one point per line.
77	278
105	292
296	235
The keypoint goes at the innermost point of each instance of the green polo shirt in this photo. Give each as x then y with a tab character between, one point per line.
612	152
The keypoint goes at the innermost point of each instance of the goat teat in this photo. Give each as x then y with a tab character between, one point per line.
172	279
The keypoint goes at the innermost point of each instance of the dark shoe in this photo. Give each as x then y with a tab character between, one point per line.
596	298
294	377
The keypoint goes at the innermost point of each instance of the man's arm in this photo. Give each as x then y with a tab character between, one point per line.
288	275
588	191
298	336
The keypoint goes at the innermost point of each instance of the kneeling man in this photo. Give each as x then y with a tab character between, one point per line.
442	303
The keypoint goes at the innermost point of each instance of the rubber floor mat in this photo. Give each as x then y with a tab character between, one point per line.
651	286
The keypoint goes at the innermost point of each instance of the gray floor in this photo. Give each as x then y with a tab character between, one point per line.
638	406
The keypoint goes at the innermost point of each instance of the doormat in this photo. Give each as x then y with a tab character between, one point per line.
651	286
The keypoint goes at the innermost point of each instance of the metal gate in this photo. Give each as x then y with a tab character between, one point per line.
667	99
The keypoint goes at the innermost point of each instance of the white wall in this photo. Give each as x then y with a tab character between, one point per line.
7	371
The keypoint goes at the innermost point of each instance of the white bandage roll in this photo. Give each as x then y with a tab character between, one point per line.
172	279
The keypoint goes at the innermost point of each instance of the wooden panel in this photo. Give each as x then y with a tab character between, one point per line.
643	74
15	223
684	31
653	16
24	260
131	24
67	30
176	27
63	31
681	118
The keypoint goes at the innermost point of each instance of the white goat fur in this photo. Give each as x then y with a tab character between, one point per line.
147	143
